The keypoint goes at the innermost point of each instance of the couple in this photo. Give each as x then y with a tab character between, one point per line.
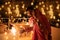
41	26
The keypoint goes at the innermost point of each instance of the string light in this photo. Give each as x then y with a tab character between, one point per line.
42	2
10	5
54	17
43	5
0	9
57	24
23	6
39	3
6	13
13	7
25	12
6	37
36	6
20	15
32	3
43	12
57	6
58	20
9	10
17	10
2	6
56	1
6	3
59	14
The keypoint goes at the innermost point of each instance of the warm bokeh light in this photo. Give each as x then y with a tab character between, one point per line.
2	6
13	31
32	3
23	6
43	12
54	17
59	14
43	5
6	3
36	6
0	9
57	24
9	10
5	33
39	3
58	20
57	6
42	2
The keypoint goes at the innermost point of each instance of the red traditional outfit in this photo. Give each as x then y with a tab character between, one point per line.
38	33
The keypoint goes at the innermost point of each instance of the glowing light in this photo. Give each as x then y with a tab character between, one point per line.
10	5
50	6
42	2
39	3
57	24
17	6
20	15
9	10
23	6
17	11
58	20
0	9
59	14
13	37
47	8
36	6
32	3
43	12
13	7
57	6
25	12
6	37
51	13
2	6
8	2
5	3
27	23
56	1
6	13
13	30
5	33
21	26
43	5
54	17
0	20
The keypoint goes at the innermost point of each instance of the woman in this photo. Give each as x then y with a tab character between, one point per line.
41	28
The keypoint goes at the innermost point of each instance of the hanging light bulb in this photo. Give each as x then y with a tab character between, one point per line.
57	6
6	3
43	5
39	3
56	1
58	20
42	2
32	3
36	6
2	6
54	17
0	9
10	5
59	14
57	24
6	13
25	12
23	6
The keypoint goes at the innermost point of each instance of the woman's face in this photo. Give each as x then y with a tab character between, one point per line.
28	13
